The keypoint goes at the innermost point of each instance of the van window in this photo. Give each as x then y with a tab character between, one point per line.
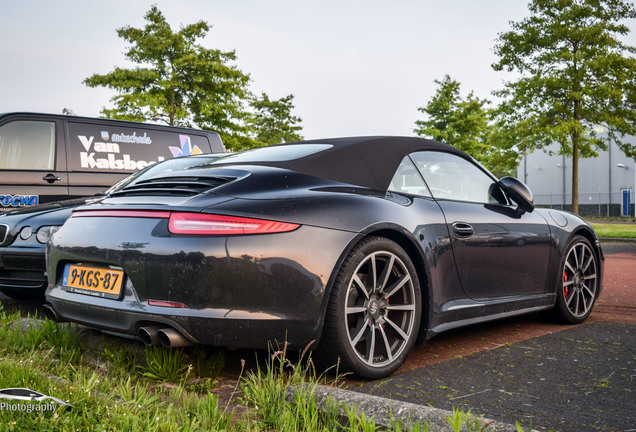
27	145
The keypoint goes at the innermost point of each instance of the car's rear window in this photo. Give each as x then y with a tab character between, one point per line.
273	154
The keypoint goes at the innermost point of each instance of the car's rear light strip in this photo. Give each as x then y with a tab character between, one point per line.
155	214
199	223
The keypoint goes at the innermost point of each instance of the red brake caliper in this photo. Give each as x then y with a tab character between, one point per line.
566	290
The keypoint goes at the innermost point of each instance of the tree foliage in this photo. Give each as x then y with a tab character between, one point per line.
465	123
575	75
272	121
179	82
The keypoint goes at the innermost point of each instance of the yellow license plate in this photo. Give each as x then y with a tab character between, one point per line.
97	281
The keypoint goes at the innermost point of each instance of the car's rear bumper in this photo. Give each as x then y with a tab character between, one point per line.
241	291
210	326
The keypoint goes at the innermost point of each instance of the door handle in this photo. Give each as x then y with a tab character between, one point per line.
462	229
51	178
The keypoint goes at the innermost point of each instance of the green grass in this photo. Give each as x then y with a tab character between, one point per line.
116	390
618	230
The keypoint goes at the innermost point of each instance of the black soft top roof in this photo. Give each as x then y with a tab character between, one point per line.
364	161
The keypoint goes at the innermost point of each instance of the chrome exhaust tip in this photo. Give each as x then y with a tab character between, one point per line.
170	338
51	313
149	335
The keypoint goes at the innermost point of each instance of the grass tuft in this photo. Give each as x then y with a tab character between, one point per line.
165	365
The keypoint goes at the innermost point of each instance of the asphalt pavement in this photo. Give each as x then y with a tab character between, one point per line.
579	379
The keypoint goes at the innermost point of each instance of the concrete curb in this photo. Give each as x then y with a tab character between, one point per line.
616	240
381	409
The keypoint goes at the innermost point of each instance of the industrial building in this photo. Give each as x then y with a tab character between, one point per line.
606	182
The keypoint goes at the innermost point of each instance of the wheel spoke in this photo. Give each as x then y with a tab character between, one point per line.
569	299
387	346
579	260
399	331
567	264
371	345
386	272
374	274
589	291
578	299
402	307
355	309
360	284
360	333
397	285
568	283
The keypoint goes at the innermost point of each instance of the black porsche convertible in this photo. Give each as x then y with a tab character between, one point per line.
363	245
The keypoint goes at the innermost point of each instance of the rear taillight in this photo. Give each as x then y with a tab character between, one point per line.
197	223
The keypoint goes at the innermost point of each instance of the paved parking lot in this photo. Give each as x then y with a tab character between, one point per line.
560	378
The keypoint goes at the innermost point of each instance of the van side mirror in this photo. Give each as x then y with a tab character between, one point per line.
519	192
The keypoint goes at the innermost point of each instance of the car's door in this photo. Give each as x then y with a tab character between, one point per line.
499	251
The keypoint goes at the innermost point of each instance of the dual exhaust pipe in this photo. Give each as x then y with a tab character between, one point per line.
150	335
167	337
51	313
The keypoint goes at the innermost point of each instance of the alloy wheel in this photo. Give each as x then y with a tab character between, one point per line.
380	309
580	280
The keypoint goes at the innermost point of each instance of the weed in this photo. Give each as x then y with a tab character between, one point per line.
122	361
207	362
265	388
602	383
165	365
475	424
359	422
457	419
408	426
521	429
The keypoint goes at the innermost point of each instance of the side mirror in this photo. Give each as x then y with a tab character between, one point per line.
519	192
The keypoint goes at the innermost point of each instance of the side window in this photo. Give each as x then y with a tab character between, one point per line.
452	177
27	145
408	180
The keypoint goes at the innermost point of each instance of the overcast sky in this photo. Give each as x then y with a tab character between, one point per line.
354	67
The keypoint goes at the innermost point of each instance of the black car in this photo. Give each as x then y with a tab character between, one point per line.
359	244
25	231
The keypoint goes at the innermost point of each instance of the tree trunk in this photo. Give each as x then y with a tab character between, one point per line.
575	174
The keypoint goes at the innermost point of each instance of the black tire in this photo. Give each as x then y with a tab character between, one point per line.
578	283
374	311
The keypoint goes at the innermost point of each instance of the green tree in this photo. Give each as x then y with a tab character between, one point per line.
464	123
177	81
575	75
272	121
